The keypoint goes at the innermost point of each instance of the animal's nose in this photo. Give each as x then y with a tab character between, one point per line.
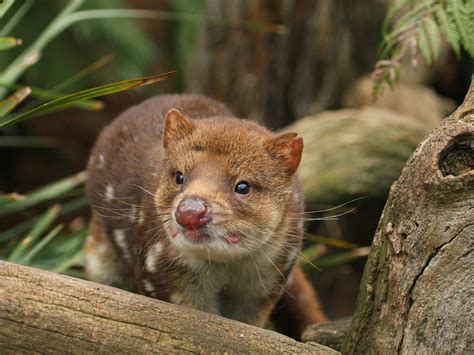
193	213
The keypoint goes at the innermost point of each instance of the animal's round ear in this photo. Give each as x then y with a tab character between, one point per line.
176	127
287	148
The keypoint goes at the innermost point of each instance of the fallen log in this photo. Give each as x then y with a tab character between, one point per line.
45	312
354	152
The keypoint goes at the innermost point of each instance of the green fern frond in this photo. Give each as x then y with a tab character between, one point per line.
464	16
412	16
396	6
448	27
424	43
423	22
434	37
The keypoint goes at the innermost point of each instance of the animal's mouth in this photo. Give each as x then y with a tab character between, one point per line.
198	236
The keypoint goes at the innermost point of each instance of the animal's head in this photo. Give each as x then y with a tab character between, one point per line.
225	185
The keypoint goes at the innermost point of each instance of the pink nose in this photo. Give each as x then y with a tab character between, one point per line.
192	213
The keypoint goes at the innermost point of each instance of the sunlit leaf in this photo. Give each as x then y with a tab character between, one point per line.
9	42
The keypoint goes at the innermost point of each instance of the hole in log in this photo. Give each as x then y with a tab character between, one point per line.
458	157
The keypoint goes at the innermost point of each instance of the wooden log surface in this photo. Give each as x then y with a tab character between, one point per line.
331	333
45	312
416	295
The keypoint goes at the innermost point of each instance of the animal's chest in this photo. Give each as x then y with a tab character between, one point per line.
212	287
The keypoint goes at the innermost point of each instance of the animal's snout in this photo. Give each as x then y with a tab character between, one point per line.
193	213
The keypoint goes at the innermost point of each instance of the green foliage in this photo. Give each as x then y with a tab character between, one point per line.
66	101
70	51
421	26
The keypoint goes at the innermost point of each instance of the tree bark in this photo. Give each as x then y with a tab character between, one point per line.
45	312
417	291
276	78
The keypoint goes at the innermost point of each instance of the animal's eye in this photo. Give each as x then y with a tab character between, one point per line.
242	188
179	178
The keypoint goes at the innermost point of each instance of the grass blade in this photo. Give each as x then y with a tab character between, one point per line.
75	256
86	71
332	242
68	207
36	231
9	42
334	260
41	244
93	105
29	56
13	100
10	25
44	193
4	6
85	94
311	253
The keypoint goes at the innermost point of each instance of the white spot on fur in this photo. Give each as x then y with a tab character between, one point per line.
93	263
141	217
101	264
101	162
153	256
176	298
148	286
133	214
109	193
120	239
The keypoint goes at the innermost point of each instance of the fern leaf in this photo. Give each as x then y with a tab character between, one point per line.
456	8
448	27
434	37
413	15
467	14
423	43
396	6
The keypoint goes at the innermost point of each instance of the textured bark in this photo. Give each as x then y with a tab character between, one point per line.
276	78
331	334
417	291
45	312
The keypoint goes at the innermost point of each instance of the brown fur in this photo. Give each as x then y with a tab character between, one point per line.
134	195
